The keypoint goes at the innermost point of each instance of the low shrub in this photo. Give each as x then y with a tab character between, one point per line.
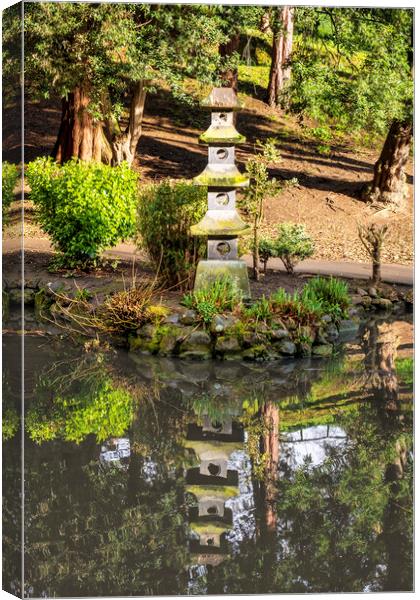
293	244
220	296
9	177
302	309
266	250
331	293
84	207
261	310
165	214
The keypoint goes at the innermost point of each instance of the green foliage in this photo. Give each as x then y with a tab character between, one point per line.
9	177
108	47
261	310
9	422
84	207
300	307
293	244
88	406
352	67
266	250
253	75
405	370
165	214
261	186
220	296
332	293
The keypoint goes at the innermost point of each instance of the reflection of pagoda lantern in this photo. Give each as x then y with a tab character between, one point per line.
212	484
222	223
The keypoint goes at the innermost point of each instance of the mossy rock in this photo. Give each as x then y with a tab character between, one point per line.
304	349
285	348
222	323
278	334
227	347
196	345
259	352
158	338
348	329
382	303
42	303
322	350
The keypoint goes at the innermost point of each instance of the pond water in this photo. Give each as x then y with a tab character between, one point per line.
147	476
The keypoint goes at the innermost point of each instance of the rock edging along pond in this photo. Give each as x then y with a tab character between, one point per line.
226	337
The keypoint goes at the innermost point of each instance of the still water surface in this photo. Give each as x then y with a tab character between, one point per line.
148	476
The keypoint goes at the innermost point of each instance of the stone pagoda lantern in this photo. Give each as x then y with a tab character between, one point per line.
222	223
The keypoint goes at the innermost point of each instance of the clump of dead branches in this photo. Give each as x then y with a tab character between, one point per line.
120	313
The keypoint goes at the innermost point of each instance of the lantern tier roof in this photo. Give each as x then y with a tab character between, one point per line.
209	527
218	223
222	98
208	558
223	177
212	492
213	449
221	135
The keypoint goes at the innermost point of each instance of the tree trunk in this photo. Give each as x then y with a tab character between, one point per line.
79	135
381	344
280	69
376	266
230	76
265	23
389	179
124	144
255	253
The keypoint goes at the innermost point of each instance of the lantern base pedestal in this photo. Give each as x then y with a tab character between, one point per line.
209	270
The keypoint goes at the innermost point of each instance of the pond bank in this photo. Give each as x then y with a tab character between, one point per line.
174	331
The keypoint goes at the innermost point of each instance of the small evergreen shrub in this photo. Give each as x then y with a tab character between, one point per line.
84	207
331	293
293	244
165	214
9	177
220	296
266	250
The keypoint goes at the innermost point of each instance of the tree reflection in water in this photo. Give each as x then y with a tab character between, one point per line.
216	454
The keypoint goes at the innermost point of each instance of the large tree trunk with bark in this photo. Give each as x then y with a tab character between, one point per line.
389	179
124	143
230	76
80	136
280	70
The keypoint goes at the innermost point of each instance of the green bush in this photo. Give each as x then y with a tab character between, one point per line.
165	214
266	249
9	177
84	207
332	294
220	296
293	245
